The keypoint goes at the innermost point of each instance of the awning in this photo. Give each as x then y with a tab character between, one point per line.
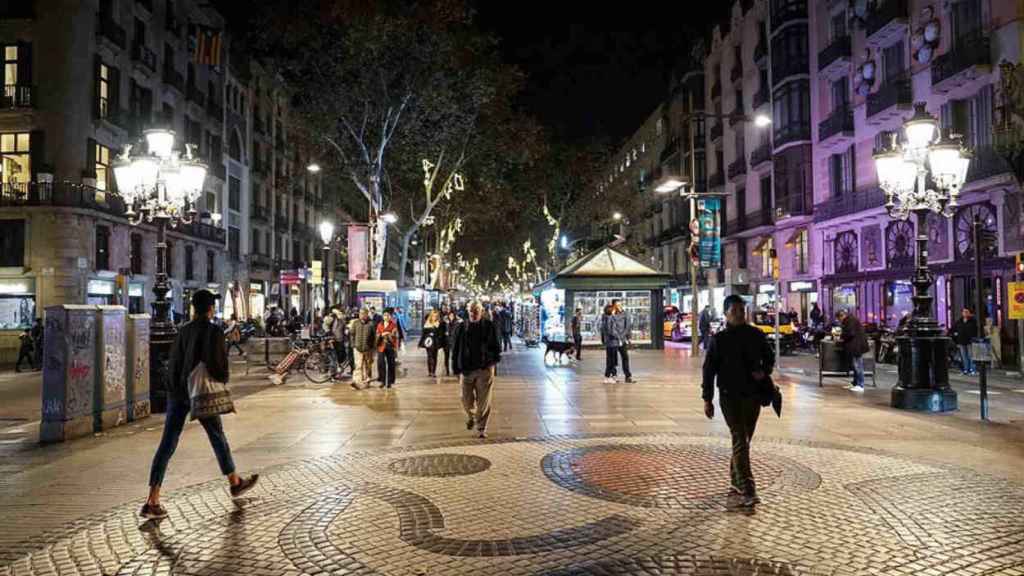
759	249
385	286
793	239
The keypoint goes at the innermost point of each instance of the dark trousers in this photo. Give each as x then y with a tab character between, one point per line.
506	341
577	341
611	360
447	362
26	355
432	361
741	416
386	362
174	423
237	345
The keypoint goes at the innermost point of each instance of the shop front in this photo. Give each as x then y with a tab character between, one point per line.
801	296
765	296
17	303
593	282
100	291
257	298
136	298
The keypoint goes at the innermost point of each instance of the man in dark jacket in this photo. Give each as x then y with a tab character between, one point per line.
704	326
964	331
475	352
363	334
740	361
577	332
198	341
855	345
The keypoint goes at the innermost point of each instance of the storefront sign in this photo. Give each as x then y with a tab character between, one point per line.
709	214
17	286
289	277
135	290
802	286
766	288
358	236
100	287
317	275
255	287
1016	290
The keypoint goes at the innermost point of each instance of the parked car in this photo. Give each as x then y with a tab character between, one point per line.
789	338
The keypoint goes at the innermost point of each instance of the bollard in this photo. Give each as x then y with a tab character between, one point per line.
109	400
137	367
69	376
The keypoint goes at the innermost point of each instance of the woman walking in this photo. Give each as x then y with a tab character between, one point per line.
389	340
611	345
451	321
434	339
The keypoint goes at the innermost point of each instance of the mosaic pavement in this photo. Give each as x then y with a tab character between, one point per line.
622	504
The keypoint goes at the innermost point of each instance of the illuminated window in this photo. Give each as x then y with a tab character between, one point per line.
15	166
10	65
102	167
104	81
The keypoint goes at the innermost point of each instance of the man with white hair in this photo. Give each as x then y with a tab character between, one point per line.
475	353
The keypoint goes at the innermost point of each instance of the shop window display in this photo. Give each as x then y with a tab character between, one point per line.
637	304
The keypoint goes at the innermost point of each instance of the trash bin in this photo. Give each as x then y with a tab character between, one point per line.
137	376
109	400
69	374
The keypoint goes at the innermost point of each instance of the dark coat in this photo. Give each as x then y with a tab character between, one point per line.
438	335
576	333
733	355
853	337
489	347
197	341
965	331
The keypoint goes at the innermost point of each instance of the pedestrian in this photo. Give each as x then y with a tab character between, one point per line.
452	321
577	332
704	326
295	322
506	328
475	353
197	341
964	332
363	336
611	357
855	345
37	344
233	333
388	342
617	339
336	328
26	351
433	339
739	361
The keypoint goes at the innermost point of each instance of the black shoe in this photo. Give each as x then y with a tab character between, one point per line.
469	424
482	435
244	486
629	380
153	512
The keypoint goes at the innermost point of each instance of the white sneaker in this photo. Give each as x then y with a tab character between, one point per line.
608	380
855	388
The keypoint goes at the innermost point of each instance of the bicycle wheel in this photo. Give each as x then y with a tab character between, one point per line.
317	367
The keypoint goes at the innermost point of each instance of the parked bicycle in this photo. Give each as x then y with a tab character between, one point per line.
312	357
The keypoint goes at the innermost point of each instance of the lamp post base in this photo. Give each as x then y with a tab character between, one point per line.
924	399
160	342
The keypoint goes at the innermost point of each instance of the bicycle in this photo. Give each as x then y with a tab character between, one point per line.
311	357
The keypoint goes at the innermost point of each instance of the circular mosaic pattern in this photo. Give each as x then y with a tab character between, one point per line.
439	465
654	476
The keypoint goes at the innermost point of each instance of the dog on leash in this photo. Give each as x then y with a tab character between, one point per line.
562	349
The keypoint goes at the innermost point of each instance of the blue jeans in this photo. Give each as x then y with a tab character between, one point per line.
965	358
858	370
174	423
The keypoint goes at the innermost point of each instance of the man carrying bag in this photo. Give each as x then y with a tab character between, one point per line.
199	372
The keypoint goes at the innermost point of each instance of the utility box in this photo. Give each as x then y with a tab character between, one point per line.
69	372
109	401
137	367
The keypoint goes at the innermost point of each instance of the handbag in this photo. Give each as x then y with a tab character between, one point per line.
428	342
207	396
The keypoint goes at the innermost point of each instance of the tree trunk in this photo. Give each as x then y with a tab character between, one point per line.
380	239
406	240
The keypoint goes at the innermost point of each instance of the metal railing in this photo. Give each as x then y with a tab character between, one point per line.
750	220
882	15
857	201
259	213
792	132
760	97
839	48
986	163
761	154
794	205
840	120
717	180
784	11
260	261
891	93
18	96
974	50
738	167
173	78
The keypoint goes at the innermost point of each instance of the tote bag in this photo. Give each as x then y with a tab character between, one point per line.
208	396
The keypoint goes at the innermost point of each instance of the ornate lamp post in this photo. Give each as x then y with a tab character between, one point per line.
326	234
903	174
159	186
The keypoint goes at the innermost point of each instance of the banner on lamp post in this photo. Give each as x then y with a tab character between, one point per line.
709	213
1016	290
358	238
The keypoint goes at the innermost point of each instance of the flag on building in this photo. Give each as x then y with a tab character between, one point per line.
205	43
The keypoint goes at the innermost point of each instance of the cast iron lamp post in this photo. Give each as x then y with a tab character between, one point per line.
159	186
327	235
903	170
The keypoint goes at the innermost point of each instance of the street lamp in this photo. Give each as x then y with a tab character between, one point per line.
313	167
326	234
903	169
617	216
159	186
389	217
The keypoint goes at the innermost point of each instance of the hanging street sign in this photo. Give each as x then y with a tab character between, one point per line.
709	213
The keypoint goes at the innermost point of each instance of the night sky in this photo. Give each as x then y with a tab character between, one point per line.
596	69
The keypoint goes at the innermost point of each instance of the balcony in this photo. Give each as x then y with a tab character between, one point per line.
785	11
204	231
195	95
836	131
795	205
891	100
859	201
145	57
108	31
749	221
717	180
793	132
63	194
986	163
17	96
260	262
760	97
886	23
716	131
259	214
281	222
968	59
174	79
789	68
834	60
217	169
736	74
761	154
738	167
716	90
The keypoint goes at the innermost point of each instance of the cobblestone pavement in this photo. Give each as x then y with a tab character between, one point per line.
579	478
628	504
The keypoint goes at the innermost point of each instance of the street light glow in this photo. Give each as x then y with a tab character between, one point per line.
326	231
565	241
617	216
389	217
762	120
314	167
670	185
